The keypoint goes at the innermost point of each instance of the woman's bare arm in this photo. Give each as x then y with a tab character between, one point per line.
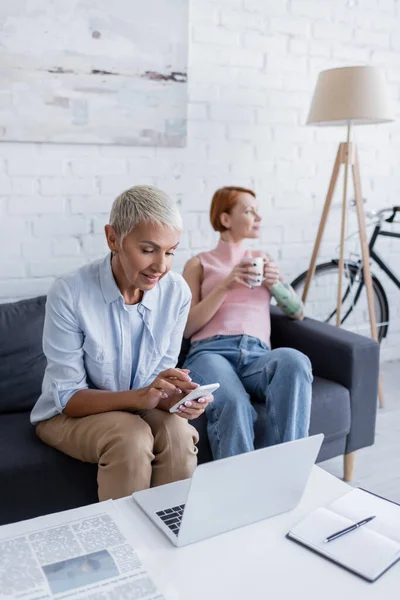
287	299
165	385
294	299
201	311
91	402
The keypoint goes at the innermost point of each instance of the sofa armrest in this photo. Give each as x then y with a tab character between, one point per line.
341	356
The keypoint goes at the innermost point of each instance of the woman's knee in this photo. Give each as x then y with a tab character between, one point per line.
176	431
130	433
208	367
232	408
294	362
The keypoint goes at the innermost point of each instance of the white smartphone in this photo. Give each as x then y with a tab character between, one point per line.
199	392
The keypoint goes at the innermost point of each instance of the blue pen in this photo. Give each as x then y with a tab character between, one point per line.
338	534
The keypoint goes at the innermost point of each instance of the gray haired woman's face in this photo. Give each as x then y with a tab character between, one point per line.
145	255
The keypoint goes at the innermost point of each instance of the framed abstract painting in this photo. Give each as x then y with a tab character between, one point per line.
94	71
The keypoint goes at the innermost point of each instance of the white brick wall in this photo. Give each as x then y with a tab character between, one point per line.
253	66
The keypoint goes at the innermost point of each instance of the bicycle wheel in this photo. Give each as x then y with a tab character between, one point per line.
322	297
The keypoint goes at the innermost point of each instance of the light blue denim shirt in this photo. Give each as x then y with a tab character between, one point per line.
87	335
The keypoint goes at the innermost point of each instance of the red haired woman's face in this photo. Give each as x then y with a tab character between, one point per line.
243	221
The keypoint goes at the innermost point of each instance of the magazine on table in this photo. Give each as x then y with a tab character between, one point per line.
81	553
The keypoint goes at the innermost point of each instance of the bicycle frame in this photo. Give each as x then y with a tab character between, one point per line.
358	265
379	261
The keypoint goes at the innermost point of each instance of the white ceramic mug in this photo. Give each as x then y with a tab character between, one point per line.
258	263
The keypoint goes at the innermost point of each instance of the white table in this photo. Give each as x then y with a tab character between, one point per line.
258	562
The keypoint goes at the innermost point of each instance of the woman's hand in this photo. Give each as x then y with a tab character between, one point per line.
167	388
240	274
192	409
271	273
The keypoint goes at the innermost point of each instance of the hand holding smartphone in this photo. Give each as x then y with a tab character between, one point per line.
199	392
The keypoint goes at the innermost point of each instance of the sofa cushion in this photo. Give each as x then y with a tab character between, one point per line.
22	361
330	409
36	479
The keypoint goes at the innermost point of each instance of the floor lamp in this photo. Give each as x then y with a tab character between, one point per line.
346	97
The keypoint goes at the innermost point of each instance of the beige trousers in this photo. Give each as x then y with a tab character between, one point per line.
133	451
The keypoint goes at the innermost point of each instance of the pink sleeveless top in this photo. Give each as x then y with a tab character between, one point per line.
244	311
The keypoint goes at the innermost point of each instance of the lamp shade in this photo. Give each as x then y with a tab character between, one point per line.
356	95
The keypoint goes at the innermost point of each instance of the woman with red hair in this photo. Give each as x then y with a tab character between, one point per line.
229	327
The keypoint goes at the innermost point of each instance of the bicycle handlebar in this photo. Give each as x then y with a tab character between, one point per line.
373	214
395	210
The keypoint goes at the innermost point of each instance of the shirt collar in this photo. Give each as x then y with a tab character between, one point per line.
107	282
111	291
150	297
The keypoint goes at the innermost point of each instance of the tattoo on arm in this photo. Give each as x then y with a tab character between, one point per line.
289	302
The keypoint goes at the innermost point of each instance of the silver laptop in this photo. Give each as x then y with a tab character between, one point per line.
229	493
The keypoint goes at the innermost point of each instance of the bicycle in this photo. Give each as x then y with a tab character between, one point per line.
321	298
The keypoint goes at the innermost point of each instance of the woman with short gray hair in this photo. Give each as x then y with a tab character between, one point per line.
112	336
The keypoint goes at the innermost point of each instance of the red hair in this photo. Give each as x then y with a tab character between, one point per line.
223	201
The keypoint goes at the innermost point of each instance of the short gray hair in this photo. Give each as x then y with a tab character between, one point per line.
143	204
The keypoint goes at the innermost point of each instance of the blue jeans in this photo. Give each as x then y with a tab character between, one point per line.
248	370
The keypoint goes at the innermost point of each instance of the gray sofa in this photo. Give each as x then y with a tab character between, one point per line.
36	479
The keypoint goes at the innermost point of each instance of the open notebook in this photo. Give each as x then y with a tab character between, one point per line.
369	550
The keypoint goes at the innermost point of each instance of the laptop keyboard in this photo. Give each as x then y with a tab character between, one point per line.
172	517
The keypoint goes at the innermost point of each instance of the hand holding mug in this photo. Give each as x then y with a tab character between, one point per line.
255	270
259	266
245	273
271	273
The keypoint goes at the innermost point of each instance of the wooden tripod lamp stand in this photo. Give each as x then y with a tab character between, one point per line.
345	97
